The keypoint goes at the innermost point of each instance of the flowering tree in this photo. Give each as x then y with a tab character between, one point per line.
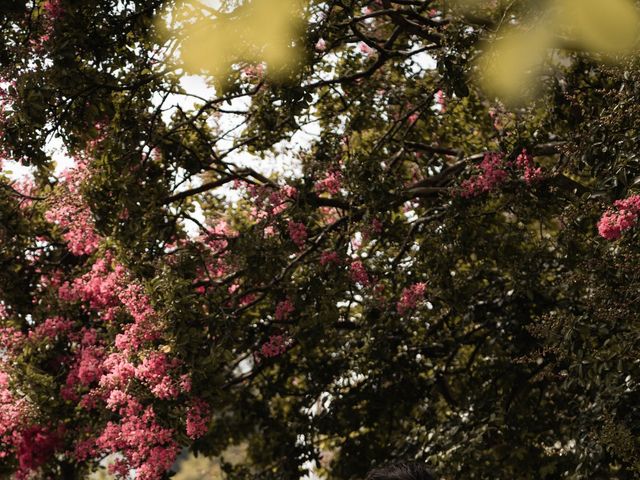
439	276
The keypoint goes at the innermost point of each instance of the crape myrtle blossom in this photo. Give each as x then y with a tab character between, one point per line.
410	297
284	309
298	233
525	163
365	49
198	415
267	201
331	183
15	413
359	273
275	346
35	445
614	222
72	214
146	446
441	101
100	376
492	173
321	45
494	170
52	10
330	258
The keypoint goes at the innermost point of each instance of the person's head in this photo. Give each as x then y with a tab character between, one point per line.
401	471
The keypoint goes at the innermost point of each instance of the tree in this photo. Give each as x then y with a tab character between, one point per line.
442	277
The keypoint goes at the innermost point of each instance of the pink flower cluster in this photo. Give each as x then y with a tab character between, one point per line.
331	183
86	366
298	233
359	273
77	221
14	412
119	371
275	347
155	371
321	45
51	328
410	297
100	378
494	171
99	288
614	222
329	258
145	446
114	369
525	163
284	309
52	9
25	187
72	213
269	203
35	445
365	49
198	415
441	101
492	174
11	340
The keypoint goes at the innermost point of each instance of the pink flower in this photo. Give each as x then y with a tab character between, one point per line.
118	372
155	371
298	233
441	101
525	163
52	9
99	288
71	212
284	309
331	183
51	328
275	347
89	368
27	188
142	443
11	339
123	403
364	48
327	258
321	45
613	223
410	297
198	414
15	412
359	273
34	447
492	174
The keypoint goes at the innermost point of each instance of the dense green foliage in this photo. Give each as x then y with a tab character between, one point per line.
519	361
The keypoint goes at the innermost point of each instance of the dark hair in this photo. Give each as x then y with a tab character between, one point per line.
401	471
